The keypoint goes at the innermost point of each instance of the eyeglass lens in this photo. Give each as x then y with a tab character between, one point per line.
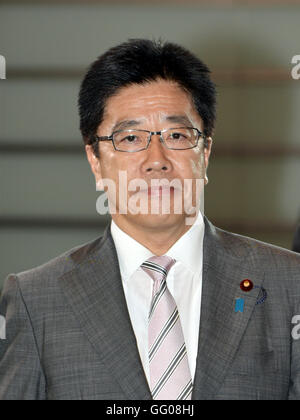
174	138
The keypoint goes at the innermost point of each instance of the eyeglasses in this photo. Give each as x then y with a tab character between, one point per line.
180	138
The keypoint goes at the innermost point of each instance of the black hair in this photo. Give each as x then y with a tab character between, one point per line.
139	61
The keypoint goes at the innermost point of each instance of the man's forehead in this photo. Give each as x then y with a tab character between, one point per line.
154	94
175	119
157	101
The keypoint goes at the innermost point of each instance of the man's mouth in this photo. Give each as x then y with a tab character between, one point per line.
158	191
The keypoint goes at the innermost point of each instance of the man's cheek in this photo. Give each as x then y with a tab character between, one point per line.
197	168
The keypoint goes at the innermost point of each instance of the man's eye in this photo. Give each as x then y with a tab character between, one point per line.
177	136
130	139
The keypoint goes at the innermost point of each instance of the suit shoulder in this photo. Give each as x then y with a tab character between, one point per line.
257	251
45	274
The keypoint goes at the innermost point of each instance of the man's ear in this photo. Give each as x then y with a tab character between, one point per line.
94	162
207	151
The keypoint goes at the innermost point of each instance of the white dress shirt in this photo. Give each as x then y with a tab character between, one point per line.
184	282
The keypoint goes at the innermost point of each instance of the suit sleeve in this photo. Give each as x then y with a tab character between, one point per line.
21	375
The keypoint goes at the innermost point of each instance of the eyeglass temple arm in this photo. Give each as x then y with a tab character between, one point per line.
102	138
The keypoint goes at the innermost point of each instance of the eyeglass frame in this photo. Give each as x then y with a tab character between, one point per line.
151	133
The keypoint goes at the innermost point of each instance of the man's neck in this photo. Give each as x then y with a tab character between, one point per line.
157	240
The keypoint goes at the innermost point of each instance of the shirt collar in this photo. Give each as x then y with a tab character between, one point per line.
131	254
188	249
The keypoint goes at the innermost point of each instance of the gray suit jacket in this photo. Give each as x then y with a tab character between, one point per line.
69	335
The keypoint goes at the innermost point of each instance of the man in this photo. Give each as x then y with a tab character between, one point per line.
158	307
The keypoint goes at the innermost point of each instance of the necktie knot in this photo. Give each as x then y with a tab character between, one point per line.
158	268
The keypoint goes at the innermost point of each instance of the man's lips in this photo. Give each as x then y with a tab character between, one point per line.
158	190
161	190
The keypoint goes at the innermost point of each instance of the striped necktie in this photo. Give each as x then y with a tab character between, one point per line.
170	375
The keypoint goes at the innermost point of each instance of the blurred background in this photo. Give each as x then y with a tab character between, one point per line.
48	196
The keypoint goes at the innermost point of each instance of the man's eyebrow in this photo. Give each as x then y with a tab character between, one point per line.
123	125
126	124
179	119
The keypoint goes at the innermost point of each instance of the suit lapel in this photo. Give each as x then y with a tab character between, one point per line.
221	328
94	291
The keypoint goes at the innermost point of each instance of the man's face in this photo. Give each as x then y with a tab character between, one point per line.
154	106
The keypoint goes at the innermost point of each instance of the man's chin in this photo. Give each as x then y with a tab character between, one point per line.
156	222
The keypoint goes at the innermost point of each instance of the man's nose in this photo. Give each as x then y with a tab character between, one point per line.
156	157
